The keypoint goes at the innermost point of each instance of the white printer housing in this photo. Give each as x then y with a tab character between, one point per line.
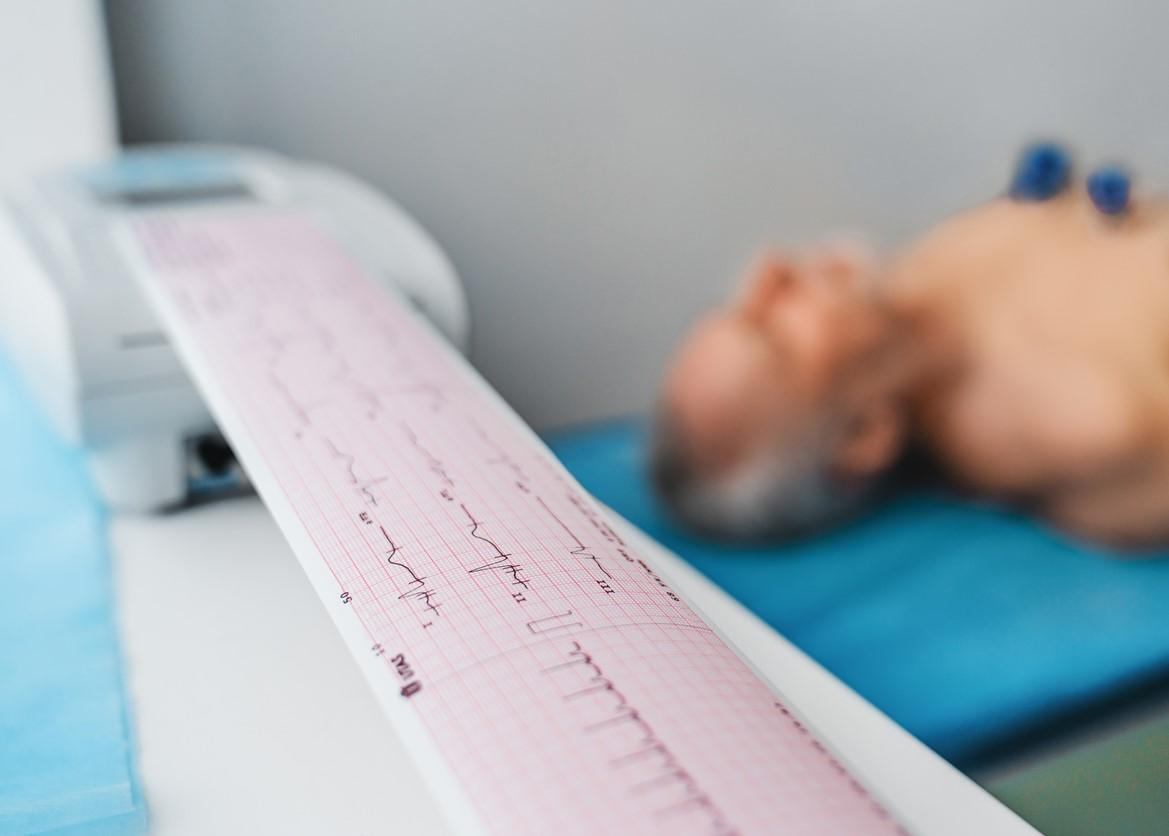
92	350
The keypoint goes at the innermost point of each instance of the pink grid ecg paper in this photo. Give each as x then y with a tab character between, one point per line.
547	678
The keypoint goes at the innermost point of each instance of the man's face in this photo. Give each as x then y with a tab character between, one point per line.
749	399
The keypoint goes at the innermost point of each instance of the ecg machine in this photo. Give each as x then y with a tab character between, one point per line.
92	349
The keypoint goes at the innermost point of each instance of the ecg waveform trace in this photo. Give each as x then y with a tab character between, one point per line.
561	682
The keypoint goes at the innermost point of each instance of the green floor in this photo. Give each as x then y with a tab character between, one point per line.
1116	785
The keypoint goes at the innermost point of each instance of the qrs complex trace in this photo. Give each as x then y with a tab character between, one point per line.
495	560
547	676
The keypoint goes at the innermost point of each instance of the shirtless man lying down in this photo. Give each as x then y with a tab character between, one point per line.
1024	343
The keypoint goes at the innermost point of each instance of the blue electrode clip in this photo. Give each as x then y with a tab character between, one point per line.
1043	171
1110	189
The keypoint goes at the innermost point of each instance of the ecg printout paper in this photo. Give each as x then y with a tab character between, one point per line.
545	676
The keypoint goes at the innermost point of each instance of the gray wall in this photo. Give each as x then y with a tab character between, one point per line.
598	169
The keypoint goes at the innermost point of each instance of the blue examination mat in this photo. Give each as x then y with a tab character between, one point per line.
968	625
66	759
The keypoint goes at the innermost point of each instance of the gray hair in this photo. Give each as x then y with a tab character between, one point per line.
785	491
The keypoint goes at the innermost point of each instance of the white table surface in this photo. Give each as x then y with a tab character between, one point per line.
235	673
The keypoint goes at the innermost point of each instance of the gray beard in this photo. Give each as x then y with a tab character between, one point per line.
784	494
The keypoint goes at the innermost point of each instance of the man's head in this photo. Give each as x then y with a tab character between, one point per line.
780	409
